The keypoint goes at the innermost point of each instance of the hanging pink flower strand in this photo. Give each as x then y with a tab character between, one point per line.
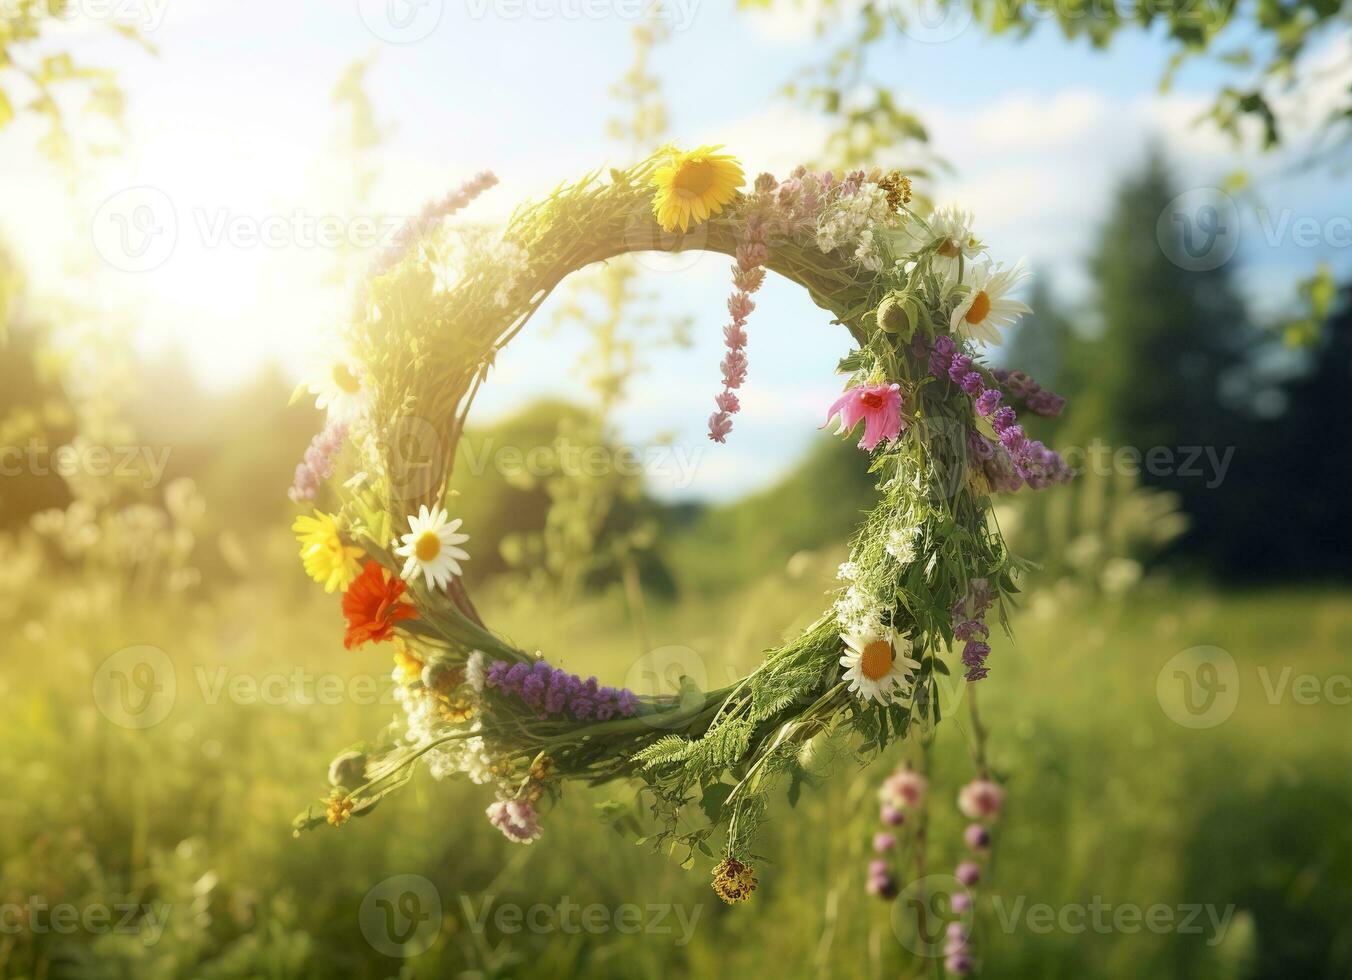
878	405
747	276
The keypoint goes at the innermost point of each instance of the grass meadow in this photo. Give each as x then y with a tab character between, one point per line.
1235	835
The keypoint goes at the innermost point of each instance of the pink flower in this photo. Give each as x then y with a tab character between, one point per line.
878	405
981	799
734	369
752	254
748	280
904	790
719	426
727	402
740	306
517	820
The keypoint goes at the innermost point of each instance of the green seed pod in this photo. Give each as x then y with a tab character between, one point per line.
895	317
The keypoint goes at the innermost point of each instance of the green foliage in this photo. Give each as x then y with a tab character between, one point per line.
1107	798
1169	339
35	79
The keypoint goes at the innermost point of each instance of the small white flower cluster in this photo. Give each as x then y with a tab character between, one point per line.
475	252
510	262
424	723
853	221
901	543
858	611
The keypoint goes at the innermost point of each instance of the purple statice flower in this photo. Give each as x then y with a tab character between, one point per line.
956	938
535	684
957	950
606	703
556	698
1013	439
975	653
583	701
304	485
747	275
734	366
941	355
1018	460
973	605
959	964
969	873
852	182
552	692
884	842
321	458
881	881
971	629
429	217
1046	404
516	678
892	816
969	613
961	902
1039	400
978	838
980	447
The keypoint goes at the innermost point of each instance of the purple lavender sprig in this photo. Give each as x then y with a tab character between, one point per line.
552	692
969	613
1021	386
428	218
1015	460
320	459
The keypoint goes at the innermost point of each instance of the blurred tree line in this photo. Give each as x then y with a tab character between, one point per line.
1169	378
1170	384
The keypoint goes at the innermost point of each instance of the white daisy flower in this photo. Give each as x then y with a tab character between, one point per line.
338	384
877	665
985	311
954	229
430	547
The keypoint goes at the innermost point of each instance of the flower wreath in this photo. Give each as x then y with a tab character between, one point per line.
925	567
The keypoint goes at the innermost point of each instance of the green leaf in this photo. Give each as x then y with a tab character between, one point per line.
851	363
711	802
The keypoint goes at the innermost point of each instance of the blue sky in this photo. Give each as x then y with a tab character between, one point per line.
232	122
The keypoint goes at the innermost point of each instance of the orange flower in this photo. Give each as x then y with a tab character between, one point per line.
372	607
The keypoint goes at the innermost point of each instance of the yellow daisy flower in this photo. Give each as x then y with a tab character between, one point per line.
694	186
327	560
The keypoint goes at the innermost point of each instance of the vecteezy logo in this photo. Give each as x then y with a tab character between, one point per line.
674	672
923	912
401	916
1199	230
136	687
1199	687
135	230
931	21
400	21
